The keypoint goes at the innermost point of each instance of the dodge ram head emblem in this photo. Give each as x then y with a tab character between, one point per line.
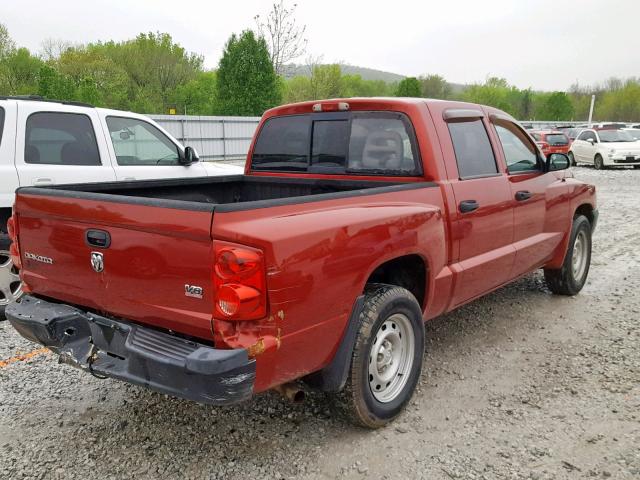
97	261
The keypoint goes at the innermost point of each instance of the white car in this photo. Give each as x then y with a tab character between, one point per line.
49	142
605	148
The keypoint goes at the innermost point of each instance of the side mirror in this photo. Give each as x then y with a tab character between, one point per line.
591	141
557	161
188	156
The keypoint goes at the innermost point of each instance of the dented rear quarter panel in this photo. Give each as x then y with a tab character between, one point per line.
319	256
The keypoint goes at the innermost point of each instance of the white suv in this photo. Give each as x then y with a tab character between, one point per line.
48	142
605	148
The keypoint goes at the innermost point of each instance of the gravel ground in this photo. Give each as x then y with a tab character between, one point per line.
520	384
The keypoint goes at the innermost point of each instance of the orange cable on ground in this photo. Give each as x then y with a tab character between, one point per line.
21	358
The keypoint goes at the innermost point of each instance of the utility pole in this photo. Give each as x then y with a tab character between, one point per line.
593	101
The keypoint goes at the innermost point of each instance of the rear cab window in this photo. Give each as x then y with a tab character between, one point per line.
56	138
366	143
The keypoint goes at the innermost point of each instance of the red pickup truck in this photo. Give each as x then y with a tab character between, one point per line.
356	220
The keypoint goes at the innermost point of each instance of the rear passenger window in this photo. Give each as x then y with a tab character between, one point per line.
60	139
473	149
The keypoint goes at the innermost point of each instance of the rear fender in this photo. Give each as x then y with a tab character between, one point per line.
318	261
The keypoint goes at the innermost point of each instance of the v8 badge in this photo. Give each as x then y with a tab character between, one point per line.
193	291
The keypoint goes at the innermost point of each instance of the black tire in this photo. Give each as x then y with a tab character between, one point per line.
383	303
563	281
572	159
598	162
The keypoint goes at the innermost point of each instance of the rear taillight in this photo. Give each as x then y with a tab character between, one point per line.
239	282
14	250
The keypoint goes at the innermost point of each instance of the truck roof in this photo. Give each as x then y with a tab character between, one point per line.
372	103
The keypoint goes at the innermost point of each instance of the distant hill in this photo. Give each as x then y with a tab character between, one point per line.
294	70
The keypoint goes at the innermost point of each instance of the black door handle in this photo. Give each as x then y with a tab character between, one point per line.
523	195
98	238
467	206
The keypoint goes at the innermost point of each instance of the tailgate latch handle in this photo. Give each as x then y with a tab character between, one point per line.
98	238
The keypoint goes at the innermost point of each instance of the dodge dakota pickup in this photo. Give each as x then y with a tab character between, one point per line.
356	220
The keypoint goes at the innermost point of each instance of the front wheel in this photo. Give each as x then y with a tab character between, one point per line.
572	159
571	277
598	162
387	357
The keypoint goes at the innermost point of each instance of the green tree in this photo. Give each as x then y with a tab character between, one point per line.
247	82
297	89
19	73
326	82
435	86
154	65
198	96
409	87
622	104
97	78
557	106
55	85
7	45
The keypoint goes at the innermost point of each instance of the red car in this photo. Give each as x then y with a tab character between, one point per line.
356	221
551	141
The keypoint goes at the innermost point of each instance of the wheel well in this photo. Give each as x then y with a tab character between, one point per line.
586	210
408	272
5	214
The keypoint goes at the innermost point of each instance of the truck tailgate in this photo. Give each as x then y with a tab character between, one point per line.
154	254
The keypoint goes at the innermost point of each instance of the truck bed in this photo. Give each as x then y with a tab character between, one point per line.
224	193
161	238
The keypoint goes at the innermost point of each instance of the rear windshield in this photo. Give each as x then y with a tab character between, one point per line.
557	139
368	143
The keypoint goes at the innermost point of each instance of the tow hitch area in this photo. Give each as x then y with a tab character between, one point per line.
135	354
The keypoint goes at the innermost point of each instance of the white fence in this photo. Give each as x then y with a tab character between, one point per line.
215	138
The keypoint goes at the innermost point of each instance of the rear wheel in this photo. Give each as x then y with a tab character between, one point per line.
10	286
572	159
571	277
387	357
598	162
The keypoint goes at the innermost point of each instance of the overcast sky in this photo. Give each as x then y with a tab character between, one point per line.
544	44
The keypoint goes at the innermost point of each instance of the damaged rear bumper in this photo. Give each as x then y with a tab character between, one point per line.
135	354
